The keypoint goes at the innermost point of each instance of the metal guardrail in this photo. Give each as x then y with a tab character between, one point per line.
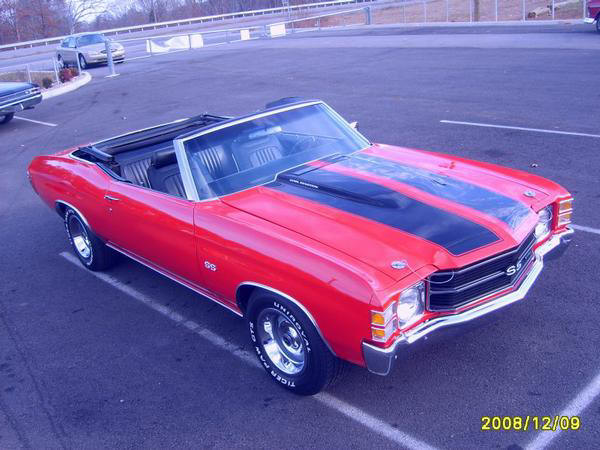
263	28
190	21
365	10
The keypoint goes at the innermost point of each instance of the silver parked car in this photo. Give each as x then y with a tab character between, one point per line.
88	48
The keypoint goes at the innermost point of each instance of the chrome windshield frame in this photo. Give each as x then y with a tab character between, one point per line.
187	178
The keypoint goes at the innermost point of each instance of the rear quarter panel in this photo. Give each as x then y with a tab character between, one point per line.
61	178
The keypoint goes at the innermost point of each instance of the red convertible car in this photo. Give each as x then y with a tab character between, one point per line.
333	249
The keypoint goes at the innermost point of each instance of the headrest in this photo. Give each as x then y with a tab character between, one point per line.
162	158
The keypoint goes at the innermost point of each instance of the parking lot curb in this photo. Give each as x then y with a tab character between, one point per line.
82	80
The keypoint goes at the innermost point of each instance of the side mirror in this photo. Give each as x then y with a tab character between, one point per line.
354	125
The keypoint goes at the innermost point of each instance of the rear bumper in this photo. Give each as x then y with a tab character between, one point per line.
380	361
20	105
589	20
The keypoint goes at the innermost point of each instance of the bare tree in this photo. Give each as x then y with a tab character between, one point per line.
9	15
152	8
77	11
476	9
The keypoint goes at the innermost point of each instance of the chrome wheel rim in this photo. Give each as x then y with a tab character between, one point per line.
80	238
281	340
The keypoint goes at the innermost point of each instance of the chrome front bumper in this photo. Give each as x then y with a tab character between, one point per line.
20	104
102	58
380	361
589	20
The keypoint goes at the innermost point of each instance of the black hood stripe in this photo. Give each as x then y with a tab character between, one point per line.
506	209
455	233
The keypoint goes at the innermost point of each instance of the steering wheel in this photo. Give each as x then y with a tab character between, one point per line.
307	141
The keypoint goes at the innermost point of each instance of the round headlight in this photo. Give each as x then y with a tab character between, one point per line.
544	223
411	304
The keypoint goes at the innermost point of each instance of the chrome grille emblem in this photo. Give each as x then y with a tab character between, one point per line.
511	270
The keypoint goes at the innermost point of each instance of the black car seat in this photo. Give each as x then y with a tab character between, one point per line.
163	173
137	171
256	152
215	162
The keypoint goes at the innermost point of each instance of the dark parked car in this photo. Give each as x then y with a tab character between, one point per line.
15	96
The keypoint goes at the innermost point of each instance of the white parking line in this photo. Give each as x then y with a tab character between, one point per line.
48	124
588	229
139	57
352	412
575	408
537	130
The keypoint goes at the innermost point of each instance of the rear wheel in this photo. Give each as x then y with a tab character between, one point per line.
7	118
91	251
598	23
288	346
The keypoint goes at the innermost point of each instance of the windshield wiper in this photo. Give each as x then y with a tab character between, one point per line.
336	191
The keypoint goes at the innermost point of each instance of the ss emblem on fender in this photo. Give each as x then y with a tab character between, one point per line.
210	266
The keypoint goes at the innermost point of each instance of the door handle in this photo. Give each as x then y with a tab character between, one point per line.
111	199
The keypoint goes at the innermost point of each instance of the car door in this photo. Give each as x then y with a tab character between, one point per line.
60	51
153	227
70	52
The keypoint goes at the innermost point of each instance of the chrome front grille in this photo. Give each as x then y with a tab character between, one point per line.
21	95
452	289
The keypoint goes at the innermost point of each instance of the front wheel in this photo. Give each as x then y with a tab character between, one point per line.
598	23
288	346
82	62
7	118
91	251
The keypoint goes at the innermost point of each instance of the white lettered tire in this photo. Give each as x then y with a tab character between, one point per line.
91	251
288	346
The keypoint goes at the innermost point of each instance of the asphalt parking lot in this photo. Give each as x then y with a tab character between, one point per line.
89	362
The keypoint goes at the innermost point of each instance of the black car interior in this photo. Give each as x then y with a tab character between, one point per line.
147	158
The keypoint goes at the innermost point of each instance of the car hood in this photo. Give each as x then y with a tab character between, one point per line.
387	204
7	88
95	48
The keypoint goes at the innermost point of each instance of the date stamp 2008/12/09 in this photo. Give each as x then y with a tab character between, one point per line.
525	423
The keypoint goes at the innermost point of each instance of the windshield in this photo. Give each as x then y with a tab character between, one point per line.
254	150
90	39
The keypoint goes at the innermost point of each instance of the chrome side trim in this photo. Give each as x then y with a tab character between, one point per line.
68	205
291	299
171	277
